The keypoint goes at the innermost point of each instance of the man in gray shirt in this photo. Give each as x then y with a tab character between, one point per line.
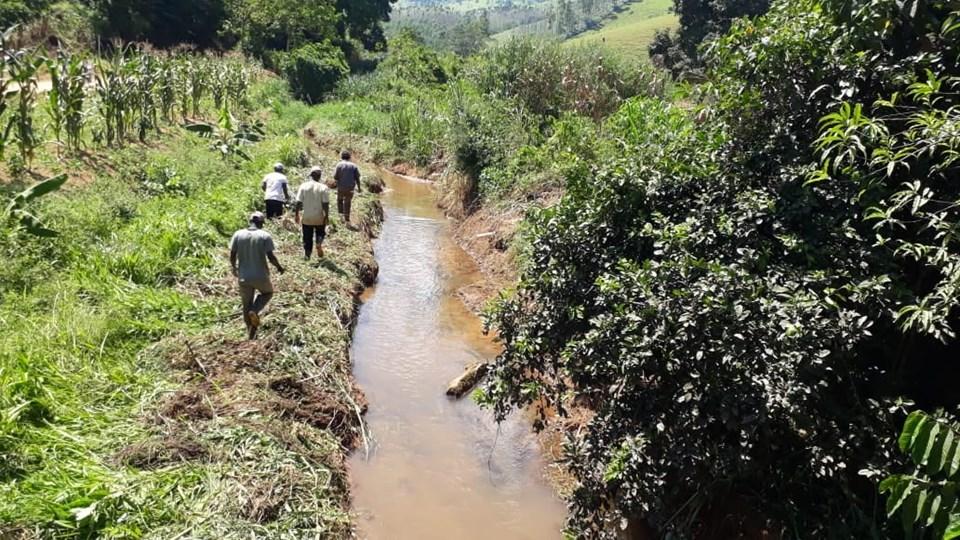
347	175
250	249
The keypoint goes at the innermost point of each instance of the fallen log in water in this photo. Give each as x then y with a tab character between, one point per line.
465	382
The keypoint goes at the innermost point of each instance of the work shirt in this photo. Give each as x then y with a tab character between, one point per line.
347	176
275	183
312	195
252	246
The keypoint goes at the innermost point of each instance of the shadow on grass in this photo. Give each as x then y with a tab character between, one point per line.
330	265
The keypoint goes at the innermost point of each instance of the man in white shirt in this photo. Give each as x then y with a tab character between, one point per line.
275	191
313	199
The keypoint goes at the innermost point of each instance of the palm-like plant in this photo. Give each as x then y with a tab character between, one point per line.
18	215
227	136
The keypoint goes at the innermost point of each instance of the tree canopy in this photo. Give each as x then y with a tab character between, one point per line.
749	298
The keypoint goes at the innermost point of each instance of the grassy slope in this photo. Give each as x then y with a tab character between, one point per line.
130	406
471	5
633	30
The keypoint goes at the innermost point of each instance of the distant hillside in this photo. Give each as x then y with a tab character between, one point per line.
466	5
632	30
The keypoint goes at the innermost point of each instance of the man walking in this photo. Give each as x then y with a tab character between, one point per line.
250	249
313	199
275	191
347	176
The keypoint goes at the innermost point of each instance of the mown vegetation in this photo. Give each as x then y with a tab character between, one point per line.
130	403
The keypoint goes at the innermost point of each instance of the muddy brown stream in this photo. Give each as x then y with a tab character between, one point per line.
437	468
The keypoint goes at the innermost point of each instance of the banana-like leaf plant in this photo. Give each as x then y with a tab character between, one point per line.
18	215
229	138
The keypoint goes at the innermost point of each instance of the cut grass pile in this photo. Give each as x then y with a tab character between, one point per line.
631	31
130	405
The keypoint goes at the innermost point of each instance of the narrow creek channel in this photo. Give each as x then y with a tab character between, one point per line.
437	468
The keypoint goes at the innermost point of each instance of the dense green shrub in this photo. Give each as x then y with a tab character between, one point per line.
177	21
313	70
19	11
570	146
412	62
745	302
700	22
549	78
926	499
266	26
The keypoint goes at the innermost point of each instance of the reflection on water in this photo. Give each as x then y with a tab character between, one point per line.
438	468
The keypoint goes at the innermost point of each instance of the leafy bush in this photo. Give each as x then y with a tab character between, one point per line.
313	70
19	11
700	22
927	499
549	78
482	133
268	26
178	21
744	329
411	62
571	145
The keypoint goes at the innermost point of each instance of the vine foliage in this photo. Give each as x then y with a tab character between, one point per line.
926	499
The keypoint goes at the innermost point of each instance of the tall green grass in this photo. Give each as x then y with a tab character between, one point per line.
77	380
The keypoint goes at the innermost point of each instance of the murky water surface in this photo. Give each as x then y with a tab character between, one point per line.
437	468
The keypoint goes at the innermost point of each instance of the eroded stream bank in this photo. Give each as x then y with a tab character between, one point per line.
437	468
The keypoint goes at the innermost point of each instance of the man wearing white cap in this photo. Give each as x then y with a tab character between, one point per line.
275	191
313	199
250	249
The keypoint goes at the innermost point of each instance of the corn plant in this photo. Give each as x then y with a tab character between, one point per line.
237	83
65	101
218	88
113	91
146	77
198	83
23	67
4	86
166	87
182	85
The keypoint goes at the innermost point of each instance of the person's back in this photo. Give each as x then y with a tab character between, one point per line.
313	196
274	183
250	249
275	191
252	246
347	175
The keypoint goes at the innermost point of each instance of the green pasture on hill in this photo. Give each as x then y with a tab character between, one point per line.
632	30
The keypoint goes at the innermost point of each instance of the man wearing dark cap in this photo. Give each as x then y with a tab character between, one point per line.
347	176
250	249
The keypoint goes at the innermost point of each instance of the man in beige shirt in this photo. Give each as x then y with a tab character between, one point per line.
313	200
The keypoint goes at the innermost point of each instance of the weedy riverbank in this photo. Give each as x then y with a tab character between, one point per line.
130	405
